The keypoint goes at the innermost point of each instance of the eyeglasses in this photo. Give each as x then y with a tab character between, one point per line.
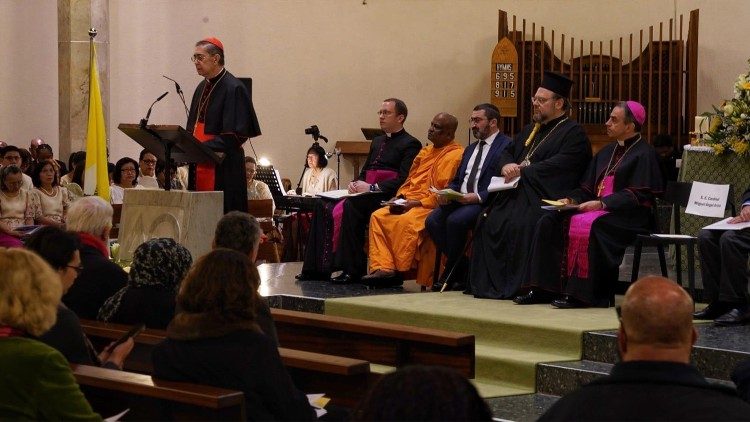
540	100
151	162
384	113
127	170
78	268
198	58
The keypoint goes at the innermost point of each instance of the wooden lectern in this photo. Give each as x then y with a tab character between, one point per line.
354	151
169	142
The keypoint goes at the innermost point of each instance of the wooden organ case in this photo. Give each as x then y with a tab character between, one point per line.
656	66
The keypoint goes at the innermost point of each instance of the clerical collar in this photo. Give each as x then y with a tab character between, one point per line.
217	77
394	134
555	121
628	142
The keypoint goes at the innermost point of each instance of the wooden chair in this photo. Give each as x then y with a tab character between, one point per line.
262	209
677	195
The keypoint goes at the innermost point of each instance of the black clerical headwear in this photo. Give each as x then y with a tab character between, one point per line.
556	83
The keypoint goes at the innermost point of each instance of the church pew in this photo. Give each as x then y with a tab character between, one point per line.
343	379
110	391
377	342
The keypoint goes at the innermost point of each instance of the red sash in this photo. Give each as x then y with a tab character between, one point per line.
205	173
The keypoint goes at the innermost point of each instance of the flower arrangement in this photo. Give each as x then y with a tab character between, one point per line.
729	125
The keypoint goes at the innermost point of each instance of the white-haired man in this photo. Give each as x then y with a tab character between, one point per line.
91	219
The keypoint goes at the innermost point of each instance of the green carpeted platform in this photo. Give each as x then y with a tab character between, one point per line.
510	339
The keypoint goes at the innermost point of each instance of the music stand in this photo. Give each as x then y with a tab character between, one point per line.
371	132
271	177
169	142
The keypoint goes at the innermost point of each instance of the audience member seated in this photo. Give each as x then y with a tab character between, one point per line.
398	240
423	393
54	200
175	181
255	188
91	219
60	250
147	173
76	159
11	156
44	153
654	380
723	258
479	163
158	267
124	177
317	177
614	205
240	231
37	383
338	229
27	162
17	206
214	340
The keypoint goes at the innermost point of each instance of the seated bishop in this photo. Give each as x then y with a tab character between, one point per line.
577	255
397	236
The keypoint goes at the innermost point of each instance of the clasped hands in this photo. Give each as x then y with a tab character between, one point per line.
358	186
594	205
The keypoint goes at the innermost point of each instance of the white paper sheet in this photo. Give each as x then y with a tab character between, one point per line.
498	183
724	225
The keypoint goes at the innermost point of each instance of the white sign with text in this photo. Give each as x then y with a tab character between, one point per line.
707	199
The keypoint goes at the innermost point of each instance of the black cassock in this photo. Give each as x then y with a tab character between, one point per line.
230	118
637	178
503	241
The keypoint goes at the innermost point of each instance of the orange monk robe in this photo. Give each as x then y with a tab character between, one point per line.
400	241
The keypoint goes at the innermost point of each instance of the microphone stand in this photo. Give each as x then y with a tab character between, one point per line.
181	94
338	168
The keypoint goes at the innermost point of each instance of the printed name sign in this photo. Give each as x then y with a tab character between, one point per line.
707	199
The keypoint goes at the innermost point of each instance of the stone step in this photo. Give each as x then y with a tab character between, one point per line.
715	354
524	407
561	378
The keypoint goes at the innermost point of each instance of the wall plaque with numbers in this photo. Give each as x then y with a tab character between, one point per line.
504	78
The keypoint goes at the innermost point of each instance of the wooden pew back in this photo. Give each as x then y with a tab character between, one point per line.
110	391
377	342
343	379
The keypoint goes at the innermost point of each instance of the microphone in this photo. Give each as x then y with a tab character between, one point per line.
330	154
180	93
144	122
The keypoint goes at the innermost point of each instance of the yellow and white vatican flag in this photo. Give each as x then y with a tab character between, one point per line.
96	180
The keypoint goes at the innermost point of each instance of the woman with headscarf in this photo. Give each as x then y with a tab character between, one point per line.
159	265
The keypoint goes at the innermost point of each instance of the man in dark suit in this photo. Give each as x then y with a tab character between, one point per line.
480	162
654	380
724	271
337	232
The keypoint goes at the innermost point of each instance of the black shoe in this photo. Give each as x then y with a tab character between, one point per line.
344	278
533	297
712	311
568	303
737	316
311	276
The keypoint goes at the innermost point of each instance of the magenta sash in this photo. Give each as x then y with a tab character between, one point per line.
578	235
371	176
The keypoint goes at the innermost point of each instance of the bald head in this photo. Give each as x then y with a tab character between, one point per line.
657	321
442	129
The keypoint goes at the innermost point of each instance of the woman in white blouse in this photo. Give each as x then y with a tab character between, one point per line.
17	206
124	177
54	199
317	177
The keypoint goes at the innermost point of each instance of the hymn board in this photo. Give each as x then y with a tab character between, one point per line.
504	78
